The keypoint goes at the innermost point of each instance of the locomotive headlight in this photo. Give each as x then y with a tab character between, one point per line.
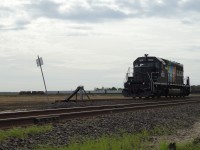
143	83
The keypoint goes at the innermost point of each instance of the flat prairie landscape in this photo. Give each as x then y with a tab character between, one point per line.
51	98
39	99
24	102
10	102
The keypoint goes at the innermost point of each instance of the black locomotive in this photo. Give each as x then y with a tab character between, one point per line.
154	76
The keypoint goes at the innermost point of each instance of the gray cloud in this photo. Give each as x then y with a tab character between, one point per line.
5	11
98	11
191	5
81	27
167	9
17	25
2	28
95	14
43	8
15	17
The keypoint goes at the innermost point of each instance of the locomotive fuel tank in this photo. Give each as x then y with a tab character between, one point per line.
174	92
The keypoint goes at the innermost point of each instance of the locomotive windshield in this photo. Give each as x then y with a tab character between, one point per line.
145	64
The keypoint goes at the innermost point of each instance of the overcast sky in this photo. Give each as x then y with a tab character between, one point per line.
93	42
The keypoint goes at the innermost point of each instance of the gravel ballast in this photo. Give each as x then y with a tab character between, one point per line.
176	117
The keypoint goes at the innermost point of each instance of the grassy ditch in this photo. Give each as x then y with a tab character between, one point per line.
121	141
23	132
126	141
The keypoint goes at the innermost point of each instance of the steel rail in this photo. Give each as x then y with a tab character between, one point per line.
7	115
92	100
117	99
21	121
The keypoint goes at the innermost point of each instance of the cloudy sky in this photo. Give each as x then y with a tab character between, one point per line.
93	42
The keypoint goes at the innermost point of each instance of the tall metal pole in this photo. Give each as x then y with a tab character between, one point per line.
43	77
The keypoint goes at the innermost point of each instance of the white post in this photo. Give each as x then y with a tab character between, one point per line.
39	62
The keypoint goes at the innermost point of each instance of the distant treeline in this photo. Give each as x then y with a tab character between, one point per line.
195	88
111	88
105	91
31	93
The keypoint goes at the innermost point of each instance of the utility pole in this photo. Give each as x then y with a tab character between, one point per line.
39	62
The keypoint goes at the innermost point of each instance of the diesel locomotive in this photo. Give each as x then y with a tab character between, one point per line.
153	76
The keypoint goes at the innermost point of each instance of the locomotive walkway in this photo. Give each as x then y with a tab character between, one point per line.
22	118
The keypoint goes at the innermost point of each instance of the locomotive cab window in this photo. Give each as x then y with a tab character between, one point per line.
136	65
150	64
145	64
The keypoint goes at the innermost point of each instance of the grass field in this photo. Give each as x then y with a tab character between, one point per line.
8	99
11	102
23	132
42	98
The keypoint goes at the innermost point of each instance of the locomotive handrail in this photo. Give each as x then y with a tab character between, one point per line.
151	80
152	89
152	74
129	72
159	83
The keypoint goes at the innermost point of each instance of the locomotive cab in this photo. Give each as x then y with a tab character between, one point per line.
148	66
145	69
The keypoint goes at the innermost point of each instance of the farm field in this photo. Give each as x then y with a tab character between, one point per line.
52	98
40	99
9	103
35	101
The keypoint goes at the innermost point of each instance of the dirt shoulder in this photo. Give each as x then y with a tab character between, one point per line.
182	135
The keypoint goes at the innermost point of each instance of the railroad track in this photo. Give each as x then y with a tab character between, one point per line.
50	115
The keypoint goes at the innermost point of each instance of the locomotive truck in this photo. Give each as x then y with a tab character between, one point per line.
153	76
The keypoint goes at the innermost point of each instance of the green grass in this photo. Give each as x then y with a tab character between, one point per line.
162	131
121	141
23	132
163	146
124	142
